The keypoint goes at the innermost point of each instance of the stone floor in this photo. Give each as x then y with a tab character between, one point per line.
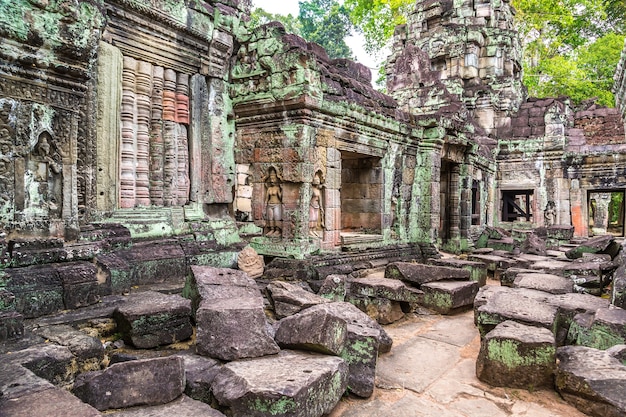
430	371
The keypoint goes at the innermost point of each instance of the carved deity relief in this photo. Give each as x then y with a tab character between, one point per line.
154	153
273	204
43	180
316	207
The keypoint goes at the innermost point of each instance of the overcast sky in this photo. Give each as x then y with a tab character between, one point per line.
355	42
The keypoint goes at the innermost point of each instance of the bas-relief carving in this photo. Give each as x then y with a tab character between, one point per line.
273	204
316	207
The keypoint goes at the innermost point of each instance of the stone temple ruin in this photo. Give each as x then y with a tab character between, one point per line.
151	145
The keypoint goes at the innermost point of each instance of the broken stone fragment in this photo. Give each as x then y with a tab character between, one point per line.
598	244
333	288
592	380
199	374
315	329
421	273
52	362
289	299
383	310
132	383
233	328
150	319
288	384
88	350
517	356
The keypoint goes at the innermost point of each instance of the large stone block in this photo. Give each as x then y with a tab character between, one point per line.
314	329
233	328
150	319
199	374
517	356
88	350
478	270
592	380
157	262
289	299
80	284
383	310
447	297
287	384
51	362
132	383
421	273
604	328
115	272
52	402
391	289
552	284
38	290
598	244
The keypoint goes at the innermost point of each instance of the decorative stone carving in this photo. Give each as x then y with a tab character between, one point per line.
316	207
273	204
250	262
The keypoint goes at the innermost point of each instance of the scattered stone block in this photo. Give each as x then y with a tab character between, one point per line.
154	262
315	329
38	290
618	292
114	272
150	319
518	304
51	362
88	350
209	283
355	317
52	402
506	244
495	264
288	384
182	407
289	299
80	284
508	277
602	330
333	288
517	356
383	310
132	383
391	289
233	328
17	381
598	244
549	283
361	353
478	270
447	297
419	274
592	380
199	374
569	305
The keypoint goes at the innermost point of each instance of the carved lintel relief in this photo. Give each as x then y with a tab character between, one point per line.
154	155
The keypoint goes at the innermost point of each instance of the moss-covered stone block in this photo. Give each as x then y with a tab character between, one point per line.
515	355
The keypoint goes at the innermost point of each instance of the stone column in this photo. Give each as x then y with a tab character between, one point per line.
127	148
454	203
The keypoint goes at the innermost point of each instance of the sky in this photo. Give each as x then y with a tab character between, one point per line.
355	42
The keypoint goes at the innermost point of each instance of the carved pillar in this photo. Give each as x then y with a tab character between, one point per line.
144	93
127	148
169	139
454	206
156	138
182	117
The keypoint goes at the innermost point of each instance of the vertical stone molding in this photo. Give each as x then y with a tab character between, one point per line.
156	138
169	138
127	148
144	95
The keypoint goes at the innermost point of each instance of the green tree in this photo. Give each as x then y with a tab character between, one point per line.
260	17
377	19
327	23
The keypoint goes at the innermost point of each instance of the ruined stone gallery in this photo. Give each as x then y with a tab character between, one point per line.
189	202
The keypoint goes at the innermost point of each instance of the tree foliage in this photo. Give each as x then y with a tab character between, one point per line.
260	17
327	23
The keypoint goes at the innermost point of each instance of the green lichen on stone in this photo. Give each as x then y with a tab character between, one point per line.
597	336
508	353
274	407
12	19
360	351
438	300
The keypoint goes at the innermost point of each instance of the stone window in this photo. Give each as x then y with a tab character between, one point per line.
517	205
605	210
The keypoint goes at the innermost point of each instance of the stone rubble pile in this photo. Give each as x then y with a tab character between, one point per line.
543	327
